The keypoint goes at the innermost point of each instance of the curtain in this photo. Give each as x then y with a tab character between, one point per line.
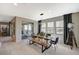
67	19
39	26
9	28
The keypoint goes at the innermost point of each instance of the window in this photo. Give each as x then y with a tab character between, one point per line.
50	27
43	27
25	27
59	27
53	27
30	27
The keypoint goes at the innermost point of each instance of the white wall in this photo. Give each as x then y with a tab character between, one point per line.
53	19
18	29
19	22
75	19
35	27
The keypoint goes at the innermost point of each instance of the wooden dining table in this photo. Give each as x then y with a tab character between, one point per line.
41	40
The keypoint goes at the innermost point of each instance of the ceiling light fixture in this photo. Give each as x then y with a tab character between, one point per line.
41	14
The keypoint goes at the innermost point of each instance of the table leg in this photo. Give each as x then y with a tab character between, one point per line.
42	48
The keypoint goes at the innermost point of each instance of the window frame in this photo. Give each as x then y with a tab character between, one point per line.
43	27
59	27
53	27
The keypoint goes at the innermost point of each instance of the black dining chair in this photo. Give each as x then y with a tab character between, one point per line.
54	42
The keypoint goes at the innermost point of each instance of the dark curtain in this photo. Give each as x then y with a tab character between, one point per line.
39	26
67	19
9	29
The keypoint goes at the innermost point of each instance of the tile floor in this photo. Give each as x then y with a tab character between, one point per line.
23	48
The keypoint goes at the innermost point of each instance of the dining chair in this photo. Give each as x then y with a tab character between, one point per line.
54	42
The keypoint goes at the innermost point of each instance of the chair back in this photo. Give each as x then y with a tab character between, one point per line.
56	40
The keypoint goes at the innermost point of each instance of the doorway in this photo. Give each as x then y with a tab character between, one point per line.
4	30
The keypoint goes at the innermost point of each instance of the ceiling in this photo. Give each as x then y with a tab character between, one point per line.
5	18
33	10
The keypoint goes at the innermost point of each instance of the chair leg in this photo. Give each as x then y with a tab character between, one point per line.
55	47
42	48
71	47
